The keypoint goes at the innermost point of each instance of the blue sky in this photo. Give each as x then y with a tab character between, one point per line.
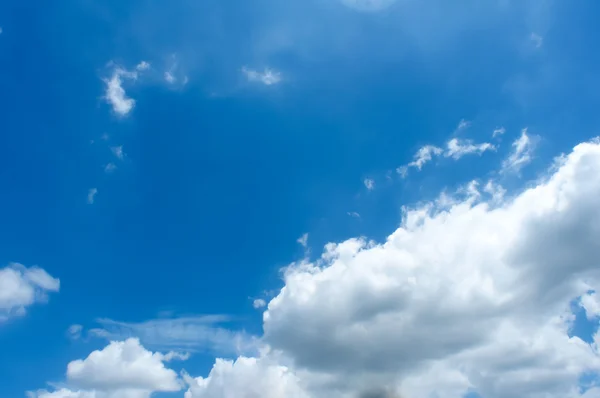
253	124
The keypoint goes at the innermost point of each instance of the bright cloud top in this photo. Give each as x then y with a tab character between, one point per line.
21	287
115	94
473	297
120	370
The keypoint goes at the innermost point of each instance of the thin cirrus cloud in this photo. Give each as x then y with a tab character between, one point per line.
522	153
91	197
22	287
267	77
192	333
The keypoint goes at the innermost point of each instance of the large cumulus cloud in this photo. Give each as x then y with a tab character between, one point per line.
475	296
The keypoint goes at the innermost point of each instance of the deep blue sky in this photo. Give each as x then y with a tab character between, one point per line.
222	175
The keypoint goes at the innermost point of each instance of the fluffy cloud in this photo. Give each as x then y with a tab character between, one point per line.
591	304
21	287
115	94
246	378
121	370
472	297
268	77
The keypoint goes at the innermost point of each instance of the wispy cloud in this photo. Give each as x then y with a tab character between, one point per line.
498	131
118	152
303	240
521	155
369	183
423	155
74	332
353	214
536	39
92	195
463	124
110	167
456	148
267	77
193	333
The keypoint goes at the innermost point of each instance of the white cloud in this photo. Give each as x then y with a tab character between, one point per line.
498	132
369	183
424	155
123	369
21	287
246	378
192	333
591	304
456	148
115	94
170	78
110	167
142	66
118	152
176	356
92	195
74	332
521	154
303	240
267	77
259	303
353	214
473	297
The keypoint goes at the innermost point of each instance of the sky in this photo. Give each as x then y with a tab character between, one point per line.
299	199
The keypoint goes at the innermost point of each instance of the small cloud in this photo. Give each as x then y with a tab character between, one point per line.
498	132
456	148
170	78
142	66
521	154
118	152
536	39
303	240
177	356
259	303
104	137
74	332
109	168
353	214
423	155
1	31
115	94
369	183
91	195
463	124
268	77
